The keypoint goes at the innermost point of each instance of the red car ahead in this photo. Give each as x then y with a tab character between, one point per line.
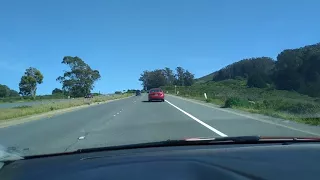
156	94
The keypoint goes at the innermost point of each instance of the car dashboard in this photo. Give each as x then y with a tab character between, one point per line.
255	161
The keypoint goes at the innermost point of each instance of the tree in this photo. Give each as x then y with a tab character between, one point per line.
118	92
245	68
169	75
188	78
255	80
298	70
180	76
153	79
166	77
79	81
156	79
4	91
144	79
29	81
57	91
14	93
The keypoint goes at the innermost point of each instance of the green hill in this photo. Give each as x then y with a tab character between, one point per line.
293	70
288	87
205	78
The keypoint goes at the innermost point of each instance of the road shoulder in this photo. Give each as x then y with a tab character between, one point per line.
308	129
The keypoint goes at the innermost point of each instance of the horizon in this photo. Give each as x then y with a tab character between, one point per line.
122	39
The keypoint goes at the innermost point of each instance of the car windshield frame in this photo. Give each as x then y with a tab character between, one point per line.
155	90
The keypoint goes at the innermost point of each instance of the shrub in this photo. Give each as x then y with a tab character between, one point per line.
22	107
301	108
311	121
235	101
256	80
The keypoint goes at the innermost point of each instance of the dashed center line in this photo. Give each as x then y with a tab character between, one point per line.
199	121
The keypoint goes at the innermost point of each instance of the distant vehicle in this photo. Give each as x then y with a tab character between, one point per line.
138	92
89	96
156	94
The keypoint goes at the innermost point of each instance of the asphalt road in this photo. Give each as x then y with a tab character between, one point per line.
134	120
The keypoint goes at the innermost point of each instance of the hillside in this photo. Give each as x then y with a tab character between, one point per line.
293	70
288	87
205	78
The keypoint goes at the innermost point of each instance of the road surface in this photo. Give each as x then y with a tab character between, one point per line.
135	120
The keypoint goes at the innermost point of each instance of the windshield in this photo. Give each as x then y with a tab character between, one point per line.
82	74
155	90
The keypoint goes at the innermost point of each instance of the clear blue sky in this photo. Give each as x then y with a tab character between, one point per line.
121	38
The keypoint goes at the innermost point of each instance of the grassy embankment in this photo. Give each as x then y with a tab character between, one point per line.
30	99
235	94
21	111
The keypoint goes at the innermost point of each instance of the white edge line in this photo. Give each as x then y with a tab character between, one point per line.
199	121
247	116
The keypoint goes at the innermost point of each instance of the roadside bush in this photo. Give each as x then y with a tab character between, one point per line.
311	121
235	101
256	80
301	108
317	100
22	107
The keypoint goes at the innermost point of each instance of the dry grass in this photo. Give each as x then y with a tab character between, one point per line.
6	114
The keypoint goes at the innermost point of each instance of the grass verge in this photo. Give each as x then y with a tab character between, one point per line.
235	94
21	111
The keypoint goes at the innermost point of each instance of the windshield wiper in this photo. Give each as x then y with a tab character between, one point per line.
206	141
193	141
236	139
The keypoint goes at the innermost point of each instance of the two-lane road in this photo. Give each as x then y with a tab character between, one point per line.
135	120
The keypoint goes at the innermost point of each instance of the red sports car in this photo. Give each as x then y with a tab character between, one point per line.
156	94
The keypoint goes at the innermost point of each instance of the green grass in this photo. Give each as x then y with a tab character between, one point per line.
21	111
268	101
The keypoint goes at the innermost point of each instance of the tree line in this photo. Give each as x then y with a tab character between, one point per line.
77	82
166	77
5	91
293	70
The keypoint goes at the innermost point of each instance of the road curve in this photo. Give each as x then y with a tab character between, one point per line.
135	120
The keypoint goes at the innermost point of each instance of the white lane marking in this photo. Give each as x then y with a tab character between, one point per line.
250	117
117	113
81	137
198	120
114	115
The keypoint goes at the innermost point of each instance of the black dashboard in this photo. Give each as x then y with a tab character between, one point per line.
256	161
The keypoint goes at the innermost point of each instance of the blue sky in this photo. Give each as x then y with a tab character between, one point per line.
121	38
